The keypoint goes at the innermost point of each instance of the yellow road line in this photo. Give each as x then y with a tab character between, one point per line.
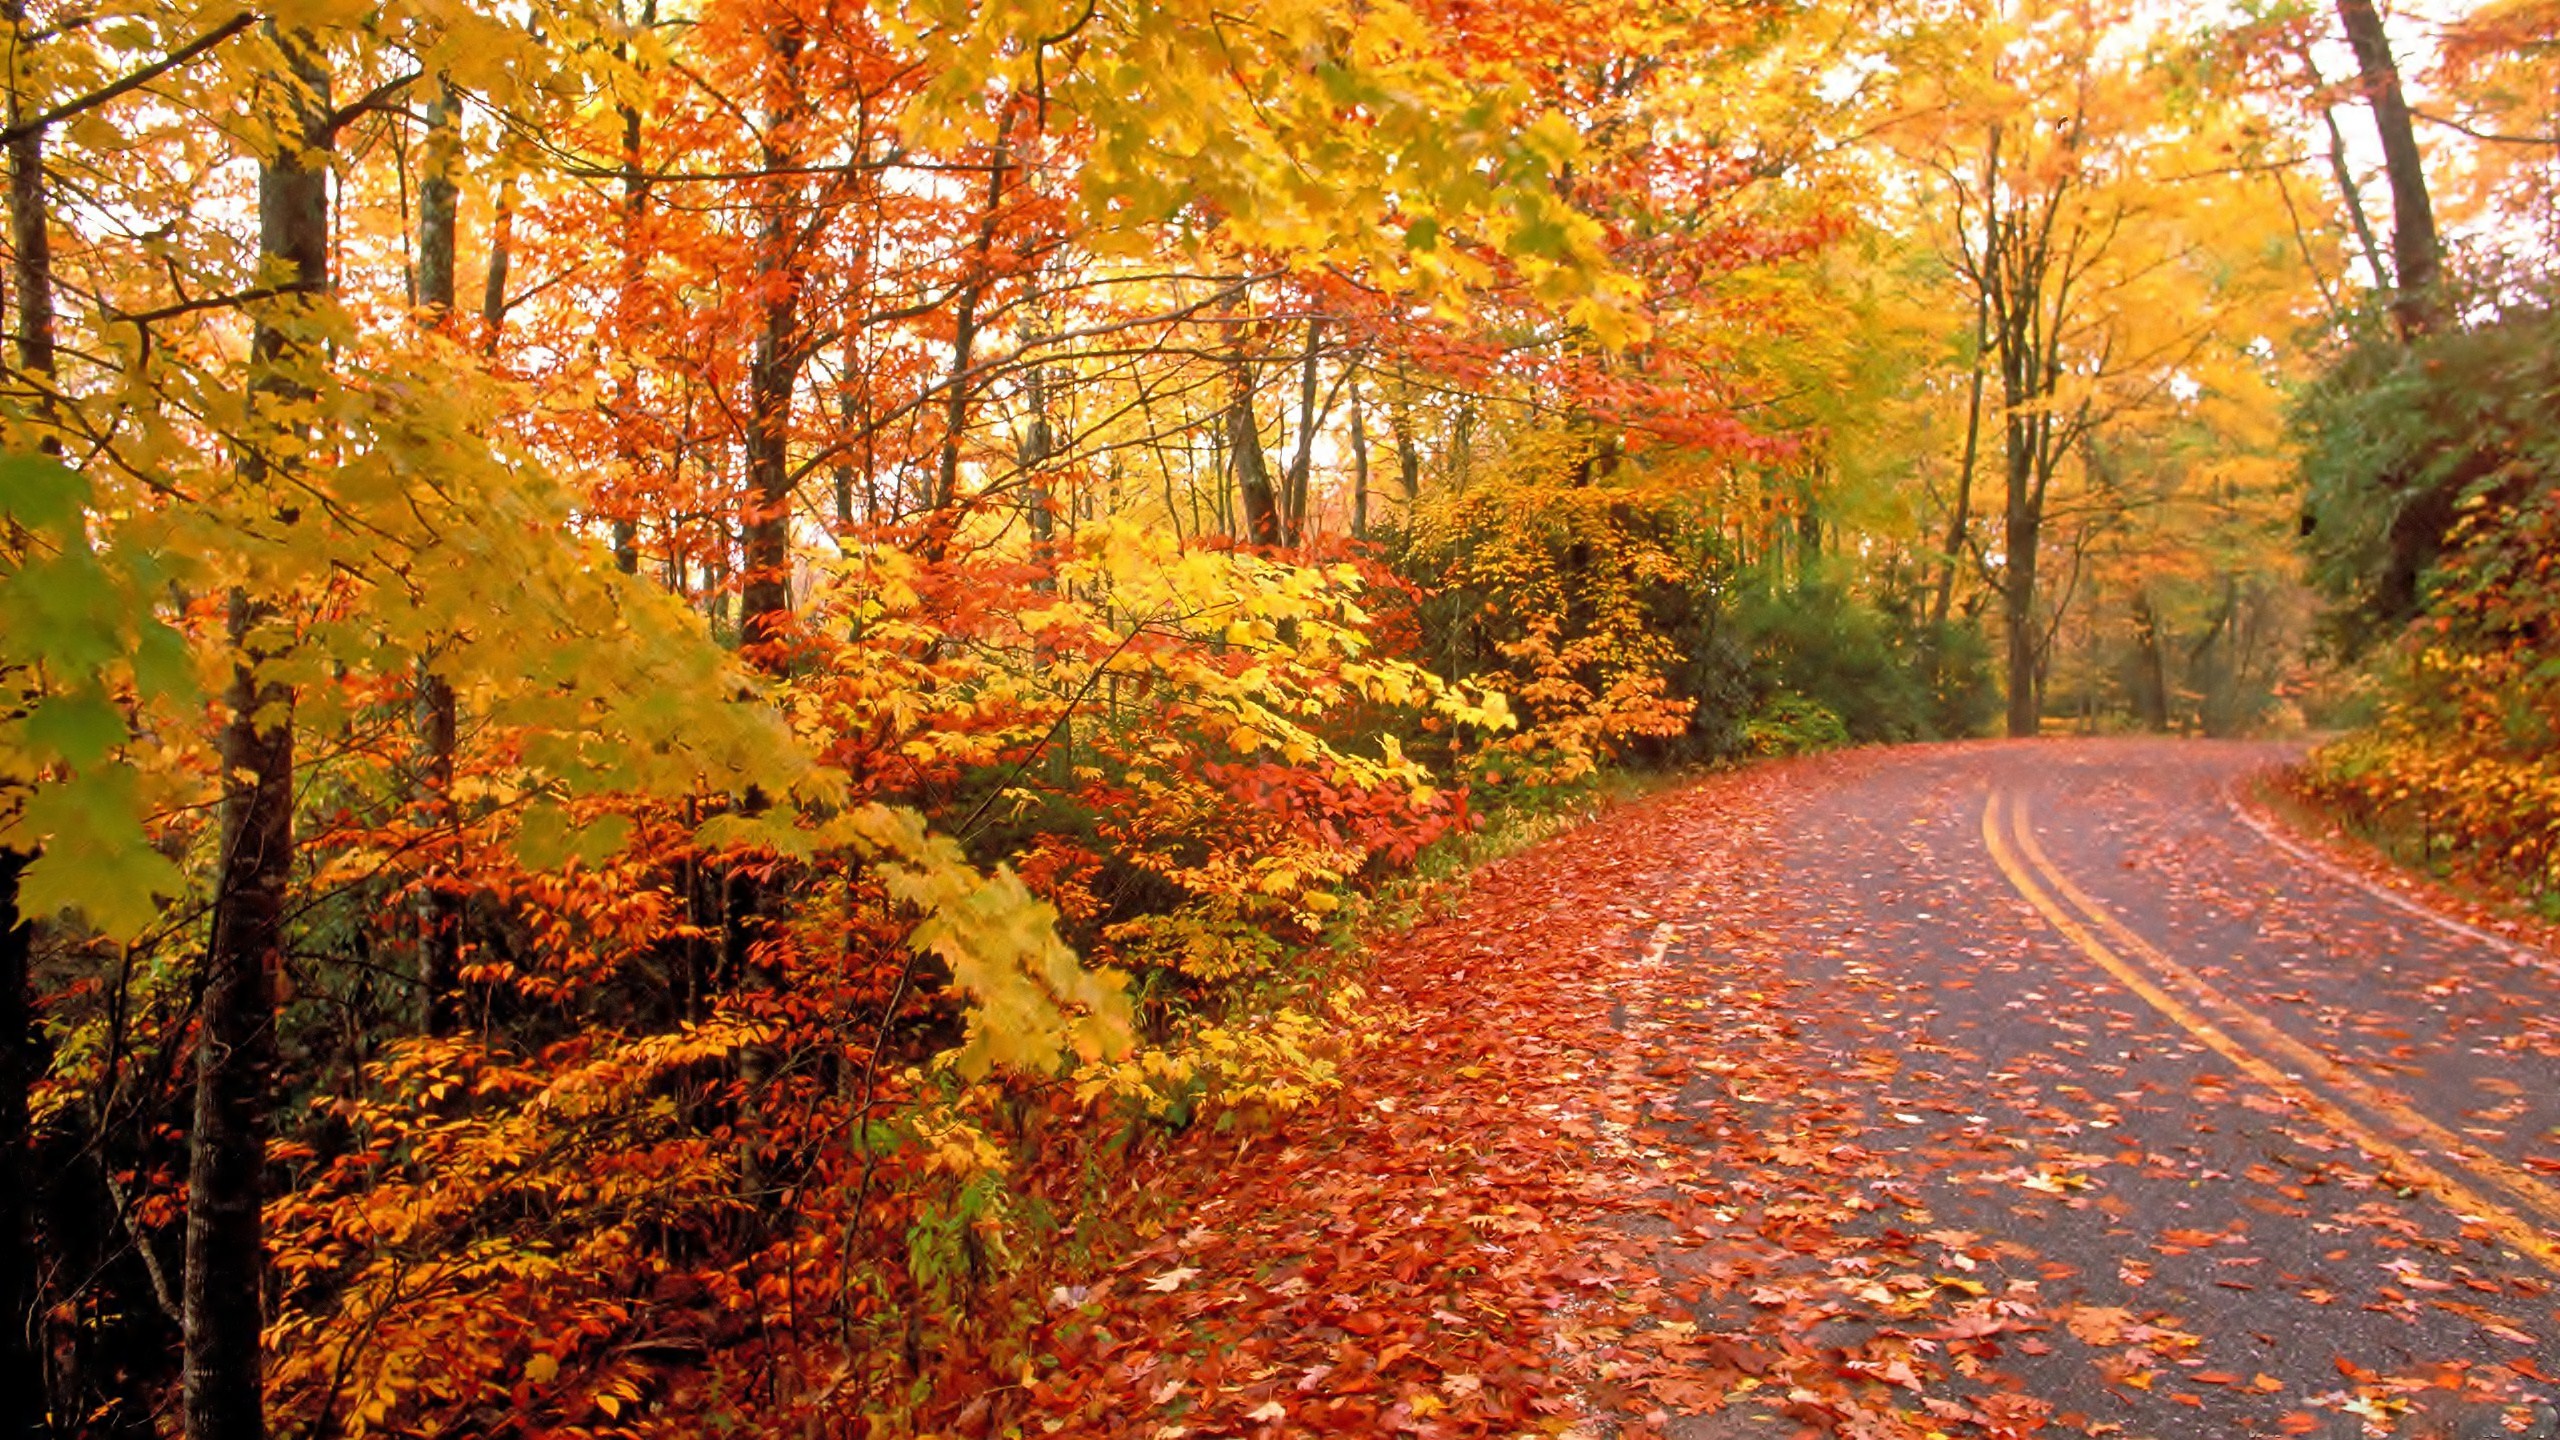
2272	1038
2465	1202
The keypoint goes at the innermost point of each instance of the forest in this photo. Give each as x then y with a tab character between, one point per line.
682	681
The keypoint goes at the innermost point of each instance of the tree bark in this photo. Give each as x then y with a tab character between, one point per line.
2417	252
1244	449
1359	468
773	376
2151	662
439	204
22	1367
31	264
493	287
221	1309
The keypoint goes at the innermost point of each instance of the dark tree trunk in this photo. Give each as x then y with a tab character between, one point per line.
2350	193
22	1368
21	1313
493	287
1359	470
2417	253
2022	535
773	375
1244	449
31	267
2151	666
221	1309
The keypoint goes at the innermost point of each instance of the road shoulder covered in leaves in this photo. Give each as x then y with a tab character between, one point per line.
1452	1246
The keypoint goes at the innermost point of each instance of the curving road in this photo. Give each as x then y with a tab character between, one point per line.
2074	1098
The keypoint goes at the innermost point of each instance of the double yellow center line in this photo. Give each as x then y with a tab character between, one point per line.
2337	1097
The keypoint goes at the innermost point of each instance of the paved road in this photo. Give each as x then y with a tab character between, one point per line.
2046	1091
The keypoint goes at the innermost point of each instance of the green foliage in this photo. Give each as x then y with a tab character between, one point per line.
1790	724
82	654
1819	641
2463	754
2399	439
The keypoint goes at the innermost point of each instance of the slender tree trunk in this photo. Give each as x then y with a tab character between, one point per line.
1262	521
2022	535
1302	464
31	264
2417	253
493	287
964	340
635	199
439	907
221	1311
1408	450
1359	469
1038	440
1960	515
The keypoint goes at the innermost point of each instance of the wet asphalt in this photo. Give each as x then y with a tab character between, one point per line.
2330	1234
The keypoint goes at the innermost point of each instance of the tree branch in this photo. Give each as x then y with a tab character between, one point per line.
132	82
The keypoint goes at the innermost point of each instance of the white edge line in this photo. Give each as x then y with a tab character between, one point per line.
2514	949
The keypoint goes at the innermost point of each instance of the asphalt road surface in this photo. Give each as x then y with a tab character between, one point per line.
2193	1135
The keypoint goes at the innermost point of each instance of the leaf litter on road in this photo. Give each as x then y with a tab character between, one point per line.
1665	1138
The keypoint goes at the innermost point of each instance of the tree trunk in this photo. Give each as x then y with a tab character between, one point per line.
439	907
2022	533
1039	439
1408	450
964	339
1960	515
439	200
220	1310
1359	469
635	198
22	1367
1302	464
2151	666
1244	448
493	288
31	268
2417	253
21	1313
221	1313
